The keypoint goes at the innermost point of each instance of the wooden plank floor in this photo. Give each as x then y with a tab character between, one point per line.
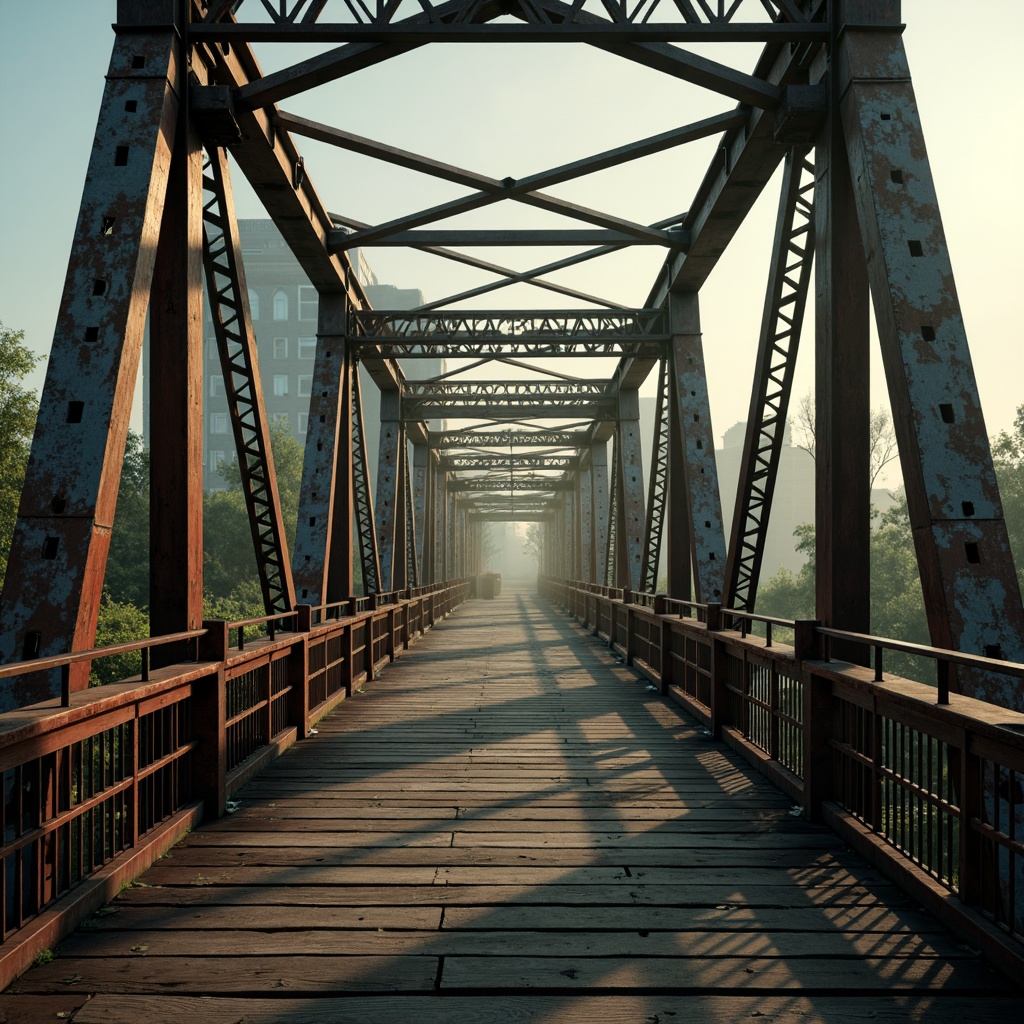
509	826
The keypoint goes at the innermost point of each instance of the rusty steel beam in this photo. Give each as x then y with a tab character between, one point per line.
322	559
236	346
689	394
970	588
175	380
789	280
657	493
366	528
389	495
841	392
58	555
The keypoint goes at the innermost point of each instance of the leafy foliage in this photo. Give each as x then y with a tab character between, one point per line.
1008	452
120	622
127	576
18	408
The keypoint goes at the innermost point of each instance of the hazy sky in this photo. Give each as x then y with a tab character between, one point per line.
516	110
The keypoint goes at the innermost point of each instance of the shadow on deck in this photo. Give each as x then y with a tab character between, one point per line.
509	826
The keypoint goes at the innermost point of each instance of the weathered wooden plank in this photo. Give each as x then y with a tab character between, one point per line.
720	974
211	975
574	1009
327	895
676	945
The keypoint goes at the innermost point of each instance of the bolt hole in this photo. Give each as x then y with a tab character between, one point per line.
31	645
99	287
138	61
50	547
947	414
915	247
121	156
58	505
696	417
323	419
896	176
968	507
312	520
92	335
75	410
972	552
700	444
927	332
886	117
131	106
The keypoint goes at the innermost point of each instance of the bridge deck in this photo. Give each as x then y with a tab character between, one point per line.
508	826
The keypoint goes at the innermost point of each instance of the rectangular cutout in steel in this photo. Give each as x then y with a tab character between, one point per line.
75	410
946	412
131	106
927	332
968	507
972	552
99	286
50	548
915	247
58	506
138	61
92	335
896	176
121	156
31	645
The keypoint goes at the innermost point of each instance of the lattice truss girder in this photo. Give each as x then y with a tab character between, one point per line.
236	347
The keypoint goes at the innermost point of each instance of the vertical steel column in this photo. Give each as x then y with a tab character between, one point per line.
421	508
322	561
614	533
363	503
387	506
697	440
781	323
970	588
630	527
59	550
176	404
842	395
412	562
586	487
236	346
601	506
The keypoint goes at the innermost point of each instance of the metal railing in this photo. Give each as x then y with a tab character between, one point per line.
928	783
99	783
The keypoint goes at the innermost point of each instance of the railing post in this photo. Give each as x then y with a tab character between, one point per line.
627	601
818	729
298	673
348	667
209	718
717	670
665	637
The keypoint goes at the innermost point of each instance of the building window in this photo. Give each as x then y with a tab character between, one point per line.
217	459
254	305
305	386
280	348
280	384
303	422
217	387
308	302
280	305
218	422
210	344
307	348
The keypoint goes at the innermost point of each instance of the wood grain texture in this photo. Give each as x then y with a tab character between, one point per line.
506	825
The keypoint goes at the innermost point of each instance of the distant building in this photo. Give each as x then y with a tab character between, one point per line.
283	306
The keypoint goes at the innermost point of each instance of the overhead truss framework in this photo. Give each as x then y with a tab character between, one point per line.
505	432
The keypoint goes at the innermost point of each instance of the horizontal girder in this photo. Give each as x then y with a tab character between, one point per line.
497	333
510	463
460	439
508	484
522	399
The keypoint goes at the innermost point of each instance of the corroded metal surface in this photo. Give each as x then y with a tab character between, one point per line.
697	440
59	550
971	593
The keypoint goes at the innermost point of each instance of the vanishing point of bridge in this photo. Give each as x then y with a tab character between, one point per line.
506	816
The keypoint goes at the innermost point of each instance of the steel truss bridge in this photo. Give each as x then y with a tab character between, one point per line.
509	433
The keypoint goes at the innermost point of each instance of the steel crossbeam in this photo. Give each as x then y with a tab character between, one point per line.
514	484
486	439
593	399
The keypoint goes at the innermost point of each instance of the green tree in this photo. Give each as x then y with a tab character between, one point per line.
1008	452
230	581
127	575
18	408
119	622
